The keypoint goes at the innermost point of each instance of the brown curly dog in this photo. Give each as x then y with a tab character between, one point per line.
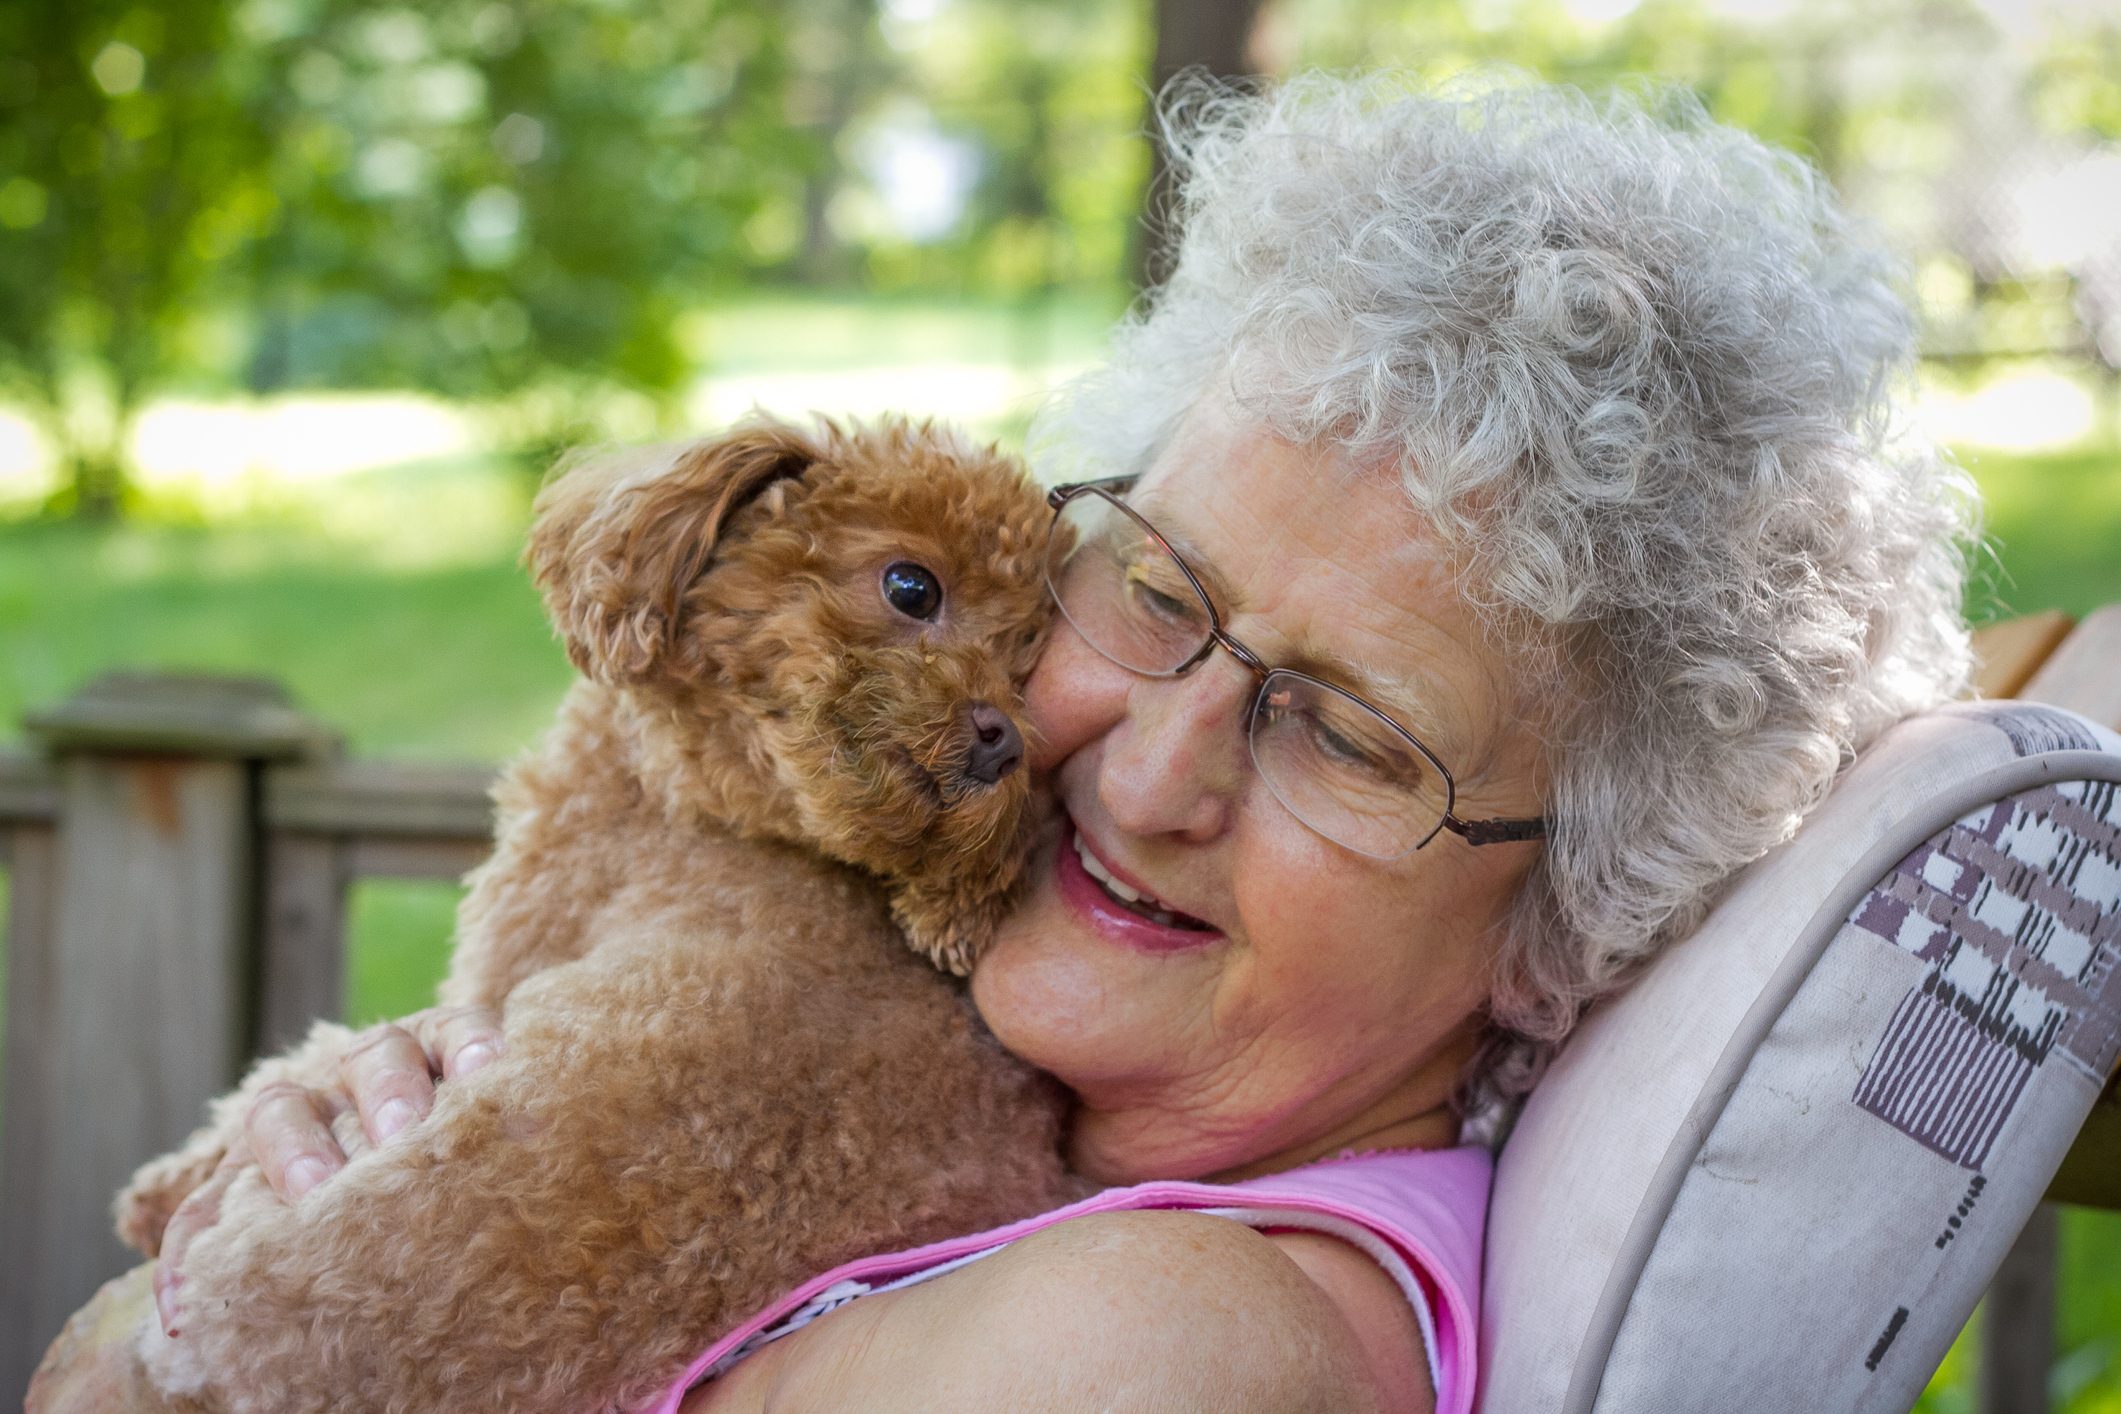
792	754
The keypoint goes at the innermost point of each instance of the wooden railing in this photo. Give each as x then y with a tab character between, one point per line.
179	852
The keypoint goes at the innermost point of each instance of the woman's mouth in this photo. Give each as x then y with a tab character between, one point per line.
1120	911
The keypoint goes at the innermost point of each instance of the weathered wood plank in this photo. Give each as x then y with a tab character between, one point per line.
28	792
250	719
448	859
302	947
33	1105
140	1012
2084	674
2006	654
2018	1322
381	799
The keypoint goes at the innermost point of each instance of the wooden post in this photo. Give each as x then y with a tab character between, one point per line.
302	955
2018	1323
133	967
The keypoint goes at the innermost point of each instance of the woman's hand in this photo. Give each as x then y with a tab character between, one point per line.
299	1137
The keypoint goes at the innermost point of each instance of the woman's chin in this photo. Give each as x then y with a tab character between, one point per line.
1038	996
1117	1022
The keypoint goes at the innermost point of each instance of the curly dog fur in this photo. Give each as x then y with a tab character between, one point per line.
724	1068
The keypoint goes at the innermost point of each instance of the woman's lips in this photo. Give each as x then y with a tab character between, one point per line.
1113	919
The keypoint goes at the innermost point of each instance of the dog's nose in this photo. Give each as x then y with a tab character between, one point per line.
997	747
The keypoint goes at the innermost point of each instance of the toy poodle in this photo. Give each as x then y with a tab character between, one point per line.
787	794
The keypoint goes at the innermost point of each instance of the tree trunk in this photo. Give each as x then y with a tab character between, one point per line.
98	476
1213	35
96	484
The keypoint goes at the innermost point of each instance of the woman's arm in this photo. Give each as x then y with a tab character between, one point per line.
1117	1311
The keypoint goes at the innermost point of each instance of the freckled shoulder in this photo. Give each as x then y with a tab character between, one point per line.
1139	1310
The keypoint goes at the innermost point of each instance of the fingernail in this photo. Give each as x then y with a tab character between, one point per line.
394	1115
305	1174
473	1056
166	1308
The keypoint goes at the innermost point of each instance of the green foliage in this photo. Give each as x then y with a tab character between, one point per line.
2055	524
526	202
488	196
1046	97
2086	1378
336	614
135	161
472	197
398	933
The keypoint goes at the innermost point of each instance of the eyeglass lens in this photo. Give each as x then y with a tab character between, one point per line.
1336	762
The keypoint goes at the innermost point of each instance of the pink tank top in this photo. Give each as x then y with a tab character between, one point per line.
1418	1213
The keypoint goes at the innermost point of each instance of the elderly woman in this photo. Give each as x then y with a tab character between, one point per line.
1493	540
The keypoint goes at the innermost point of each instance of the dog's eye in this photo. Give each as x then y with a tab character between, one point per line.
912	590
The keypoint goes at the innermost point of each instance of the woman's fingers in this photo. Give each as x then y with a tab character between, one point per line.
300	1137
458	1039
346	1128
390	1071
200	1210
293	1141
389	1074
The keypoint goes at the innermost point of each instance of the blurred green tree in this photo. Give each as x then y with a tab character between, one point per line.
1023	116
504	201
131	163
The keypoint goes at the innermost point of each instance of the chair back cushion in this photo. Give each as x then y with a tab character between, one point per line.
1779	1170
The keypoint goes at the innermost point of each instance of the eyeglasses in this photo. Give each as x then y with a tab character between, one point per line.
1340	765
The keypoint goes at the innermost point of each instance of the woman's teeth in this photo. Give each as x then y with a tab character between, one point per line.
1135	900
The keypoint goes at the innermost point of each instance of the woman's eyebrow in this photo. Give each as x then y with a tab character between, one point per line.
1196	559
1391	692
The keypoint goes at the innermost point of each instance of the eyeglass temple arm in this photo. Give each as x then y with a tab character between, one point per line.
1059	495
1477	832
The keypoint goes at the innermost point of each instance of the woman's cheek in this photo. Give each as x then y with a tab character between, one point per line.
1071	697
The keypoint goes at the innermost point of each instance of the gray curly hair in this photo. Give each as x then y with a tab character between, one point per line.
1638	370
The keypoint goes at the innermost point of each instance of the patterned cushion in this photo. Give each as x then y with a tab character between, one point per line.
1779	1171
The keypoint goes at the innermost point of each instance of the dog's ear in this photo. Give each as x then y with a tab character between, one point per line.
617	539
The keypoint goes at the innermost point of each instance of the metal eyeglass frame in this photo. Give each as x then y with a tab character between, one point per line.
1473	832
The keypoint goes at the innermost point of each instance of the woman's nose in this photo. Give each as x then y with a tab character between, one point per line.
1176	762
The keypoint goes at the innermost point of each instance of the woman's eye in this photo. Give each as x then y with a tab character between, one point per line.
1155	601
913	590
1340	748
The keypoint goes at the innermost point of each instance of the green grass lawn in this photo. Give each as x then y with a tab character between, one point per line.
392	606
2054	523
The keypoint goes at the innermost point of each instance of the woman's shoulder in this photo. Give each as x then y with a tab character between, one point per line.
1131	1309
